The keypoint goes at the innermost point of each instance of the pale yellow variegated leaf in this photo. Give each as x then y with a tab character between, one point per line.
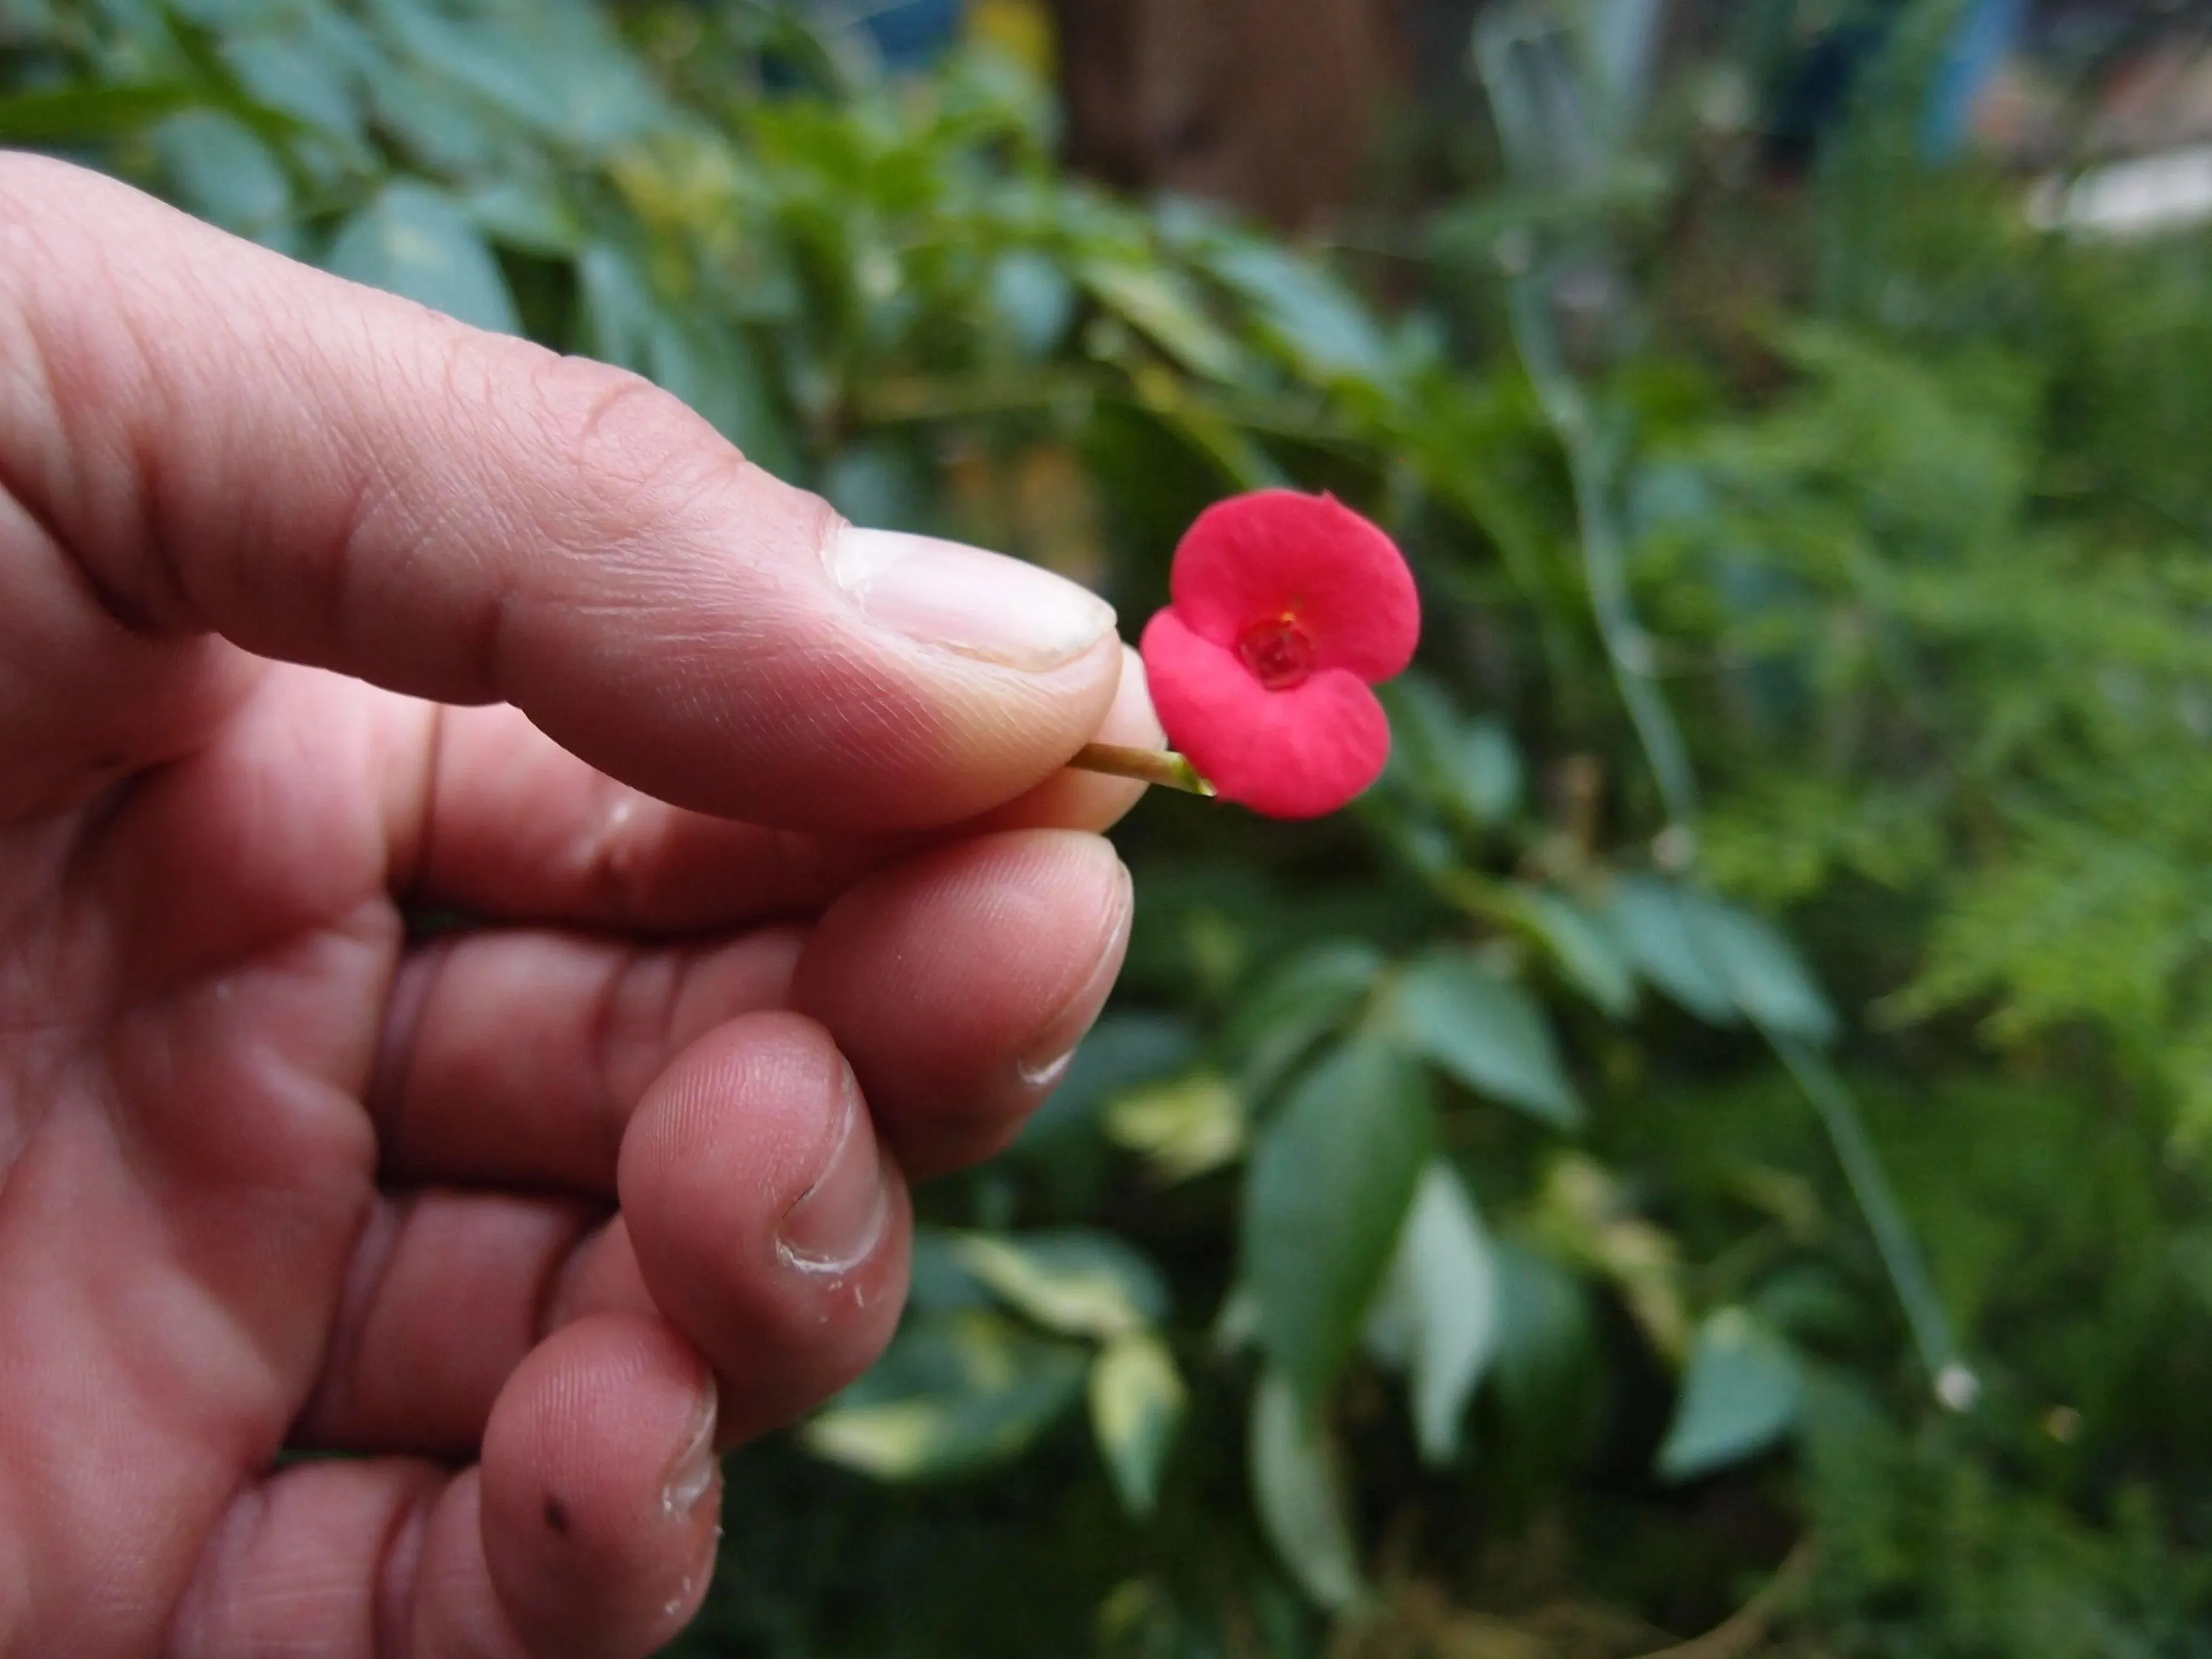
1136	1401
1077	1293
1183	1128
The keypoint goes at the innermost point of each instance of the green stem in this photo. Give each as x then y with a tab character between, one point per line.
1955	1385
1161	766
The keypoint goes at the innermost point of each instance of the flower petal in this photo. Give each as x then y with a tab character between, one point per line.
1275	552
1295	754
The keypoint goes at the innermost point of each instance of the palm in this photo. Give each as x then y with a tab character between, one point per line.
195	967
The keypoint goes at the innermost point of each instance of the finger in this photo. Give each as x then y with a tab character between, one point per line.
588	1530
515	1058
958	982
767	1223
465	518
601	1489
451	1291
517	827
447	1291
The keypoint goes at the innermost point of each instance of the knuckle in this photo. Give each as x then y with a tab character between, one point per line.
627	451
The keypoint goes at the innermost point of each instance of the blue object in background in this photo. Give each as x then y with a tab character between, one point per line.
1984	37
910	33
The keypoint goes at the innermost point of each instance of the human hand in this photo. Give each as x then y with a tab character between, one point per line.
311	604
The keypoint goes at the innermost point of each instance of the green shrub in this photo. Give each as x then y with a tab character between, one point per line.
1445	1230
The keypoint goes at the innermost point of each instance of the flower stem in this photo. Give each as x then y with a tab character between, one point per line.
1161	766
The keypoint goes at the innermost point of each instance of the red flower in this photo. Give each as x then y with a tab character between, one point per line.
1285	609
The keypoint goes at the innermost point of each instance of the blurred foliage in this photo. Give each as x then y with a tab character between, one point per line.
1442	1247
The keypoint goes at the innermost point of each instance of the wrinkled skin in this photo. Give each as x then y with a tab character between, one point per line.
313	607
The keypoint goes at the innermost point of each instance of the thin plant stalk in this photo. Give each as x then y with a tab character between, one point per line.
1162	766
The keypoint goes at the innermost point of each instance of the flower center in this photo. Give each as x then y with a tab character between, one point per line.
1278	653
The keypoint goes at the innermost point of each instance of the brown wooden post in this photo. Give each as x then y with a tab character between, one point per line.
1269	105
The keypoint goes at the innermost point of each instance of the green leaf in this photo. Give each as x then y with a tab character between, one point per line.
71	115
528	214
287	75
418	241
554	66
1716	961
1312	319
1156	301
1034	298
1769	980
1136	1402
618	313
1077	1282
1587	953
1741	1394
1296	1008
1325	1198
1437	1315
439	132
222	171
1657	930
1484	1030
1296	1490
954	1393
1471	766
1543	1369
1486	765
1183	1128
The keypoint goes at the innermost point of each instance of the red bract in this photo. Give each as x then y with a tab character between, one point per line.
1285	609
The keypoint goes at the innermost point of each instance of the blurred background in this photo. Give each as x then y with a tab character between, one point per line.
1709	1157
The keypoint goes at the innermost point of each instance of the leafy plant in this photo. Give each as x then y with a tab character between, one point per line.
1487	1212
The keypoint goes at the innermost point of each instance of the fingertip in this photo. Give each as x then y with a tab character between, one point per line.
601	1491
958	980
769	1223
1073	800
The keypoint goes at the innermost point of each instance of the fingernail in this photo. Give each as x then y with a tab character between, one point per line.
838	1221
962	599
692	1473
1053	1049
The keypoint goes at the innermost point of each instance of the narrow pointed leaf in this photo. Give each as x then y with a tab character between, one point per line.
956	1392
1716	960
1764	972
1325	1198
1077	1283
1183	1126
1137	1400
418	241
1587	953
1296	1491
1439	1309
1741	1394
1658	933
1296	1007
1484	1030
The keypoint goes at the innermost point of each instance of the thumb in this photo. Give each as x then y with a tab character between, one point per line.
227	442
